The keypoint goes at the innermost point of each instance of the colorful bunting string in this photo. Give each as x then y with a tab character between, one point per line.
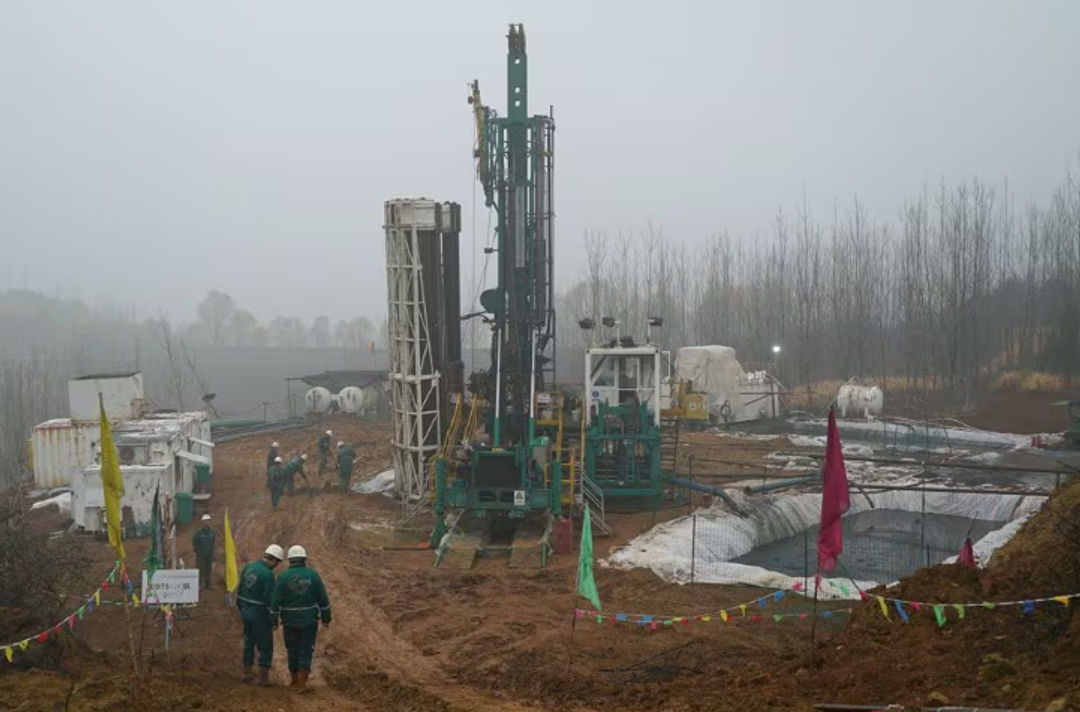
900	605
69	621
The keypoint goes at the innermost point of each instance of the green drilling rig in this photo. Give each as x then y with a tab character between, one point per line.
516	469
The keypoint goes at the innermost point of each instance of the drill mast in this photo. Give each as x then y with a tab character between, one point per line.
515	166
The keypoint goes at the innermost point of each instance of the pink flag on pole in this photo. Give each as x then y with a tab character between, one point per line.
967	554
834	501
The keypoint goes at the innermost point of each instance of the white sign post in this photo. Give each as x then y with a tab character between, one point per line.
171	587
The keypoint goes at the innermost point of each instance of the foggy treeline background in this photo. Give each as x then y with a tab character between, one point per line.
959	288
44	341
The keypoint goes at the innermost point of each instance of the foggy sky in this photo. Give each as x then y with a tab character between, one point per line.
150	151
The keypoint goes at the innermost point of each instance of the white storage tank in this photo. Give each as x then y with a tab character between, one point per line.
318	400
859	401
351	399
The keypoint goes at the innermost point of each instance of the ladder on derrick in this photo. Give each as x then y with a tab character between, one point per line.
670	429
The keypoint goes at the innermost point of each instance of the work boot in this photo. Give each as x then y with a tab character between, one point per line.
264	676
301	681
249	674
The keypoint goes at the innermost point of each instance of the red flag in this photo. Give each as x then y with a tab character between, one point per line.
834	501
967	554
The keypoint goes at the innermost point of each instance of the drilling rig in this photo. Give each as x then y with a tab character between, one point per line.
512	471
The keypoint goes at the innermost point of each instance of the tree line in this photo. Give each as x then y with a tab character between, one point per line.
960	287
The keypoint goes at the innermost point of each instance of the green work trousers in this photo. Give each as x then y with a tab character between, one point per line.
275	493
300	645
205	564
258	633
343	480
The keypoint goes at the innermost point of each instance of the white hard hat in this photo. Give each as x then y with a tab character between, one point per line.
297	552
206	517
329	432
274	444
340	443
277	459
276	551
303	456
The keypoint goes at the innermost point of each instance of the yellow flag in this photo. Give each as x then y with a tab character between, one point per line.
884	608
232	578
7	652
24	644
1063	600
723	616
112	484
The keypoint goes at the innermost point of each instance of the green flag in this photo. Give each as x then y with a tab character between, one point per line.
586	584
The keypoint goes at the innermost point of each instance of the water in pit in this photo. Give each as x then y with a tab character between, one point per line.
880	545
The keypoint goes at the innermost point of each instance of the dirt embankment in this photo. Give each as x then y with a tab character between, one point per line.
408	636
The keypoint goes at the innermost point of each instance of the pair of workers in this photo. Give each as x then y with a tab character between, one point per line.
281	475
346	458
297	599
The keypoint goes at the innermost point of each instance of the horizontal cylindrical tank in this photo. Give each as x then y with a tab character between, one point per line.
859	401
317	400
351	399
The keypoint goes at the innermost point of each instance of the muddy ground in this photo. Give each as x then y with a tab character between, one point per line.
408	636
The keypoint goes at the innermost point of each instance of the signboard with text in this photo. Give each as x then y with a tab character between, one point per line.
172	587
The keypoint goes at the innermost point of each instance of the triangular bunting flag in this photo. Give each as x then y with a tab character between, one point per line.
71	622
42	636
706	618
723	616
916	605
24	644
81	612
1063	600
901	611
742	607
777	617
884	608
97	598
987	605
960	609
8	652
939	614
1029	608
778	596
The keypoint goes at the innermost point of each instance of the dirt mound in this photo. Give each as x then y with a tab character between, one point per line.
1021	411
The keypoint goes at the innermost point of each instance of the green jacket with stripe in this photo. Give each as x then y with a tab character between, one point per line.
300	598
256	586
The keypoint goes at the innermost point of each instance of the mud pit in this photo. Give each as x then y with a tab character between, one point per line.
880	545
407	636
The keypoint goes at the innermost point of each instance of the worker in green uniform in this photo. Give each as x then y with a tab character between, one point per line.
203	544
253	597
345	457
291	469
300	601
271	455
324	450
276	477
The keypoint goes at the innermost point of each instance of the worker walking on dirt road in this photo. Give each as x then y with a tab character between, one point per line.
300	601
276	478
345	458
293	468
203	544
254	597
324	451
